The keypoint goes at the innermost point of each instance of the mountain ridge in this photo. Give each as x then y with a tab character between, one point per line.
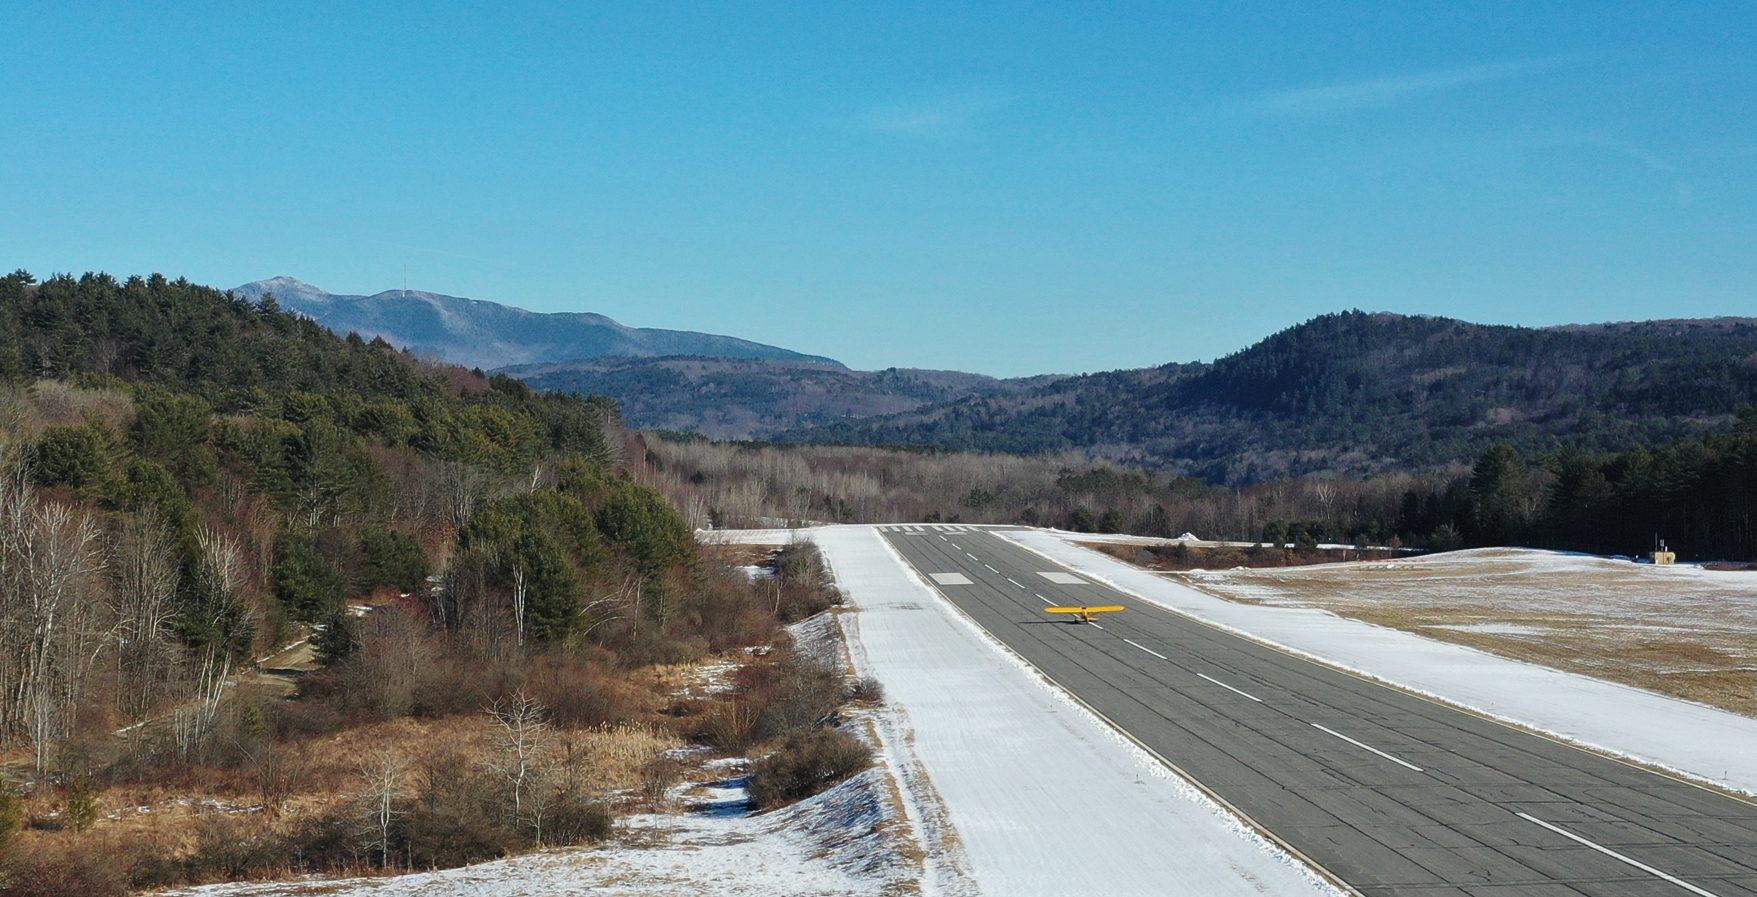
1363	393
728	398
485	334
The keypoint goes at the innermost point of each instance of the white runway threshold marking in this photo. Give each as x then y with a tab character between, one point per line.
1236	691
951	579
1615	855
1366	746
1064	579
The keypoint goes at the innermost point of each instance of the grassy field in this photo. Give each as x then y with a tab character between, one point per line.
1678	630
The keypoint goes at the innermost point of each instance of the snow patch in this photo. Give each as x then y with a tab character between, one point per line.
1690	739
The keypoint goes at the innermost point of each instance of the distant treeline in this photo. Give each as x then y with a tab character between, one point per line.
1698	495
1357	394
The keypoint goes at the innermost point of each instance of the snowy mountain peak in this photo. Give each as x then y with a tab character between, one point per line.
479	333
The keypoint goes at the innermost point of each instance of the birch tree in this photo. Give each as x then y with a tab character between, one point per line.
51	608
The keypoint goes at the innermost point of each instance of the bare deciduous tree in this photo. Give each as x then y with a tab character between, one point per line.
383	773
523	761
145	577
52	612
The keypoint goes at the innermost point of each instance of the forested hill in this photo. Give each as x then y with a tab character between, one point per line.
200	493
1361	393
745	398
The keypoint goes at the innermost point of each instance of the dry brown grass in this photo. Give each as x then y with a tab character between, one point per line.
739	555
1682	631
165	819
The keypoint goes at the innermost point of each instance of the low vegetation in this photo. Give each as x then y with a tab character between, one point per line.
490	602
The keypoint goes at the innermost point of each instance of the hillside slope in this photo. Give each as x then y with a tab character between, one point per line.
1364	393
731	398
476	333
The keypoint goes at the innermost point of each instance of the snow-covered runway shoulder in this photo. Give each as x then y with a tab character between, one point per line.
1042	797
1701	742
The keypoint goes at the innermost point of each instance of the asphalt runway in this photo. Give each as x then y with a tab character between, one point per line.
1386	791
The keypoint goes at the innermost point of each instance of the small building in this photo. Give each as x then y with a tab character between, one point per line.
1662	556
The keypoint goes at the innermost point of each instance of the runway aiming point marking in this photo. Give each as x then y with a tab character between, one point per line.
1063	579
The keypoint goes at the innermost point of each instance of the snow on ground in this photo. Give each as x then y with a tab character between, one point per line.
749	536
1680	629
846	841
1020	790
1700	741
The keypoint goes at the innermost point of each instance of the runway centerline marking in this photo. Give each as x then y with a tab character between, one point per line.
1043	599
991	569
1366	746
1615	855
1015	582
1146	649
1234	690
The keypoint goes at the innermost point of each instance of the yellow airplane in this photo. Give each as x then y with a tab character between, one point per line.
1086	614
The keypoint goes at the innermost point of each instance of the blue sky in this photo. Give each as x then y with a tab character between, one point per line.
1007	189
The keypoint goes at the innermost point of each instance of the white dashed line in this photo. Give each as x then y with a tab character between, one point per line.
1367	746
991	569
1015	582
1230	688
1615	855
1147	649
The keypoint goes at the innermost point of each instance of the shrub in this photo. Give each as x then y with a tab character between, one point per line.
325	842
80	869
575	819
806	586
229	849
796	695
458	818
12	814
580	692
775	700
81	808
867	691
805	764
